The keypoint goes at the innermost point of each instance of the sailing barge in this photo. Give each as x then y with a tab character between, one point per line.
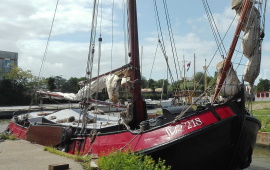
214	136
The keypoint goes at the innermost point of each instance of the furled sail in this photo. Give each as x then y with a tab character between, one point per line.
111	81
251	42
231	84
87	91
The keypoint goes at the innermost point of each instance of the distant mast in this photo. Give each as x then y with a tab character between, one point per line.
139	109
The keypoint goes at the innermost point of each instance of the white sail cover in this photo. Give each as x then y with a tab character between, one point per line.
111	81
251	42
231	84
87	91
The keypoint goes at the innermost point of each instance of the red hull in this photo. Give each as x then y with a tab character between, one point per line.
17	130
152	138
212	133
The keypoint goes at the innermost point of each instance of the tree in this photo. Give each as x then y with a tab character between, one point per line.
12	93
17	74
152	84
163	83
144	82
51	83
16	87
263	85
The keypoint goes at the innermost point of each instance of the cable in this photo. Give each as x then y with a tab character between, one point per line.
47	44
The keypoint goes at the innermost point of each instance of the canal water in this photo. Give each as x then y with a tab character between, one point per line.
260	157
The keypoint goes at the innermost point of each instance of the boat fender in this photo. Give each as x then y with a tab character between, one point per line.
71	119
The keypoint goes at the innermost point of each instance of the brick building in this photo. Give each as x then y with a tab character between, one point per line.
262	96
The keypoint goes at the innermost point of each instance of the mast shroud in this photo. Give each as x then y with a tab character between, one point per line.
227	64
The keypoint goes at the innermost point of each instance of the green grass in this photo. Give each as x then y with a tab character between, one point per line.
264	117
159	111
263	114
7	136
84	160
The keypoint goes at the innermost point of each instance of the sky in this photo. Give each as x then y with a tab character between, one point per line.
25	28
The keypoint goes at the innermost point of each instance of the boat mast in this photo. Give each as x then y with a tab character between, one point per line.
194	74
227	64
139	109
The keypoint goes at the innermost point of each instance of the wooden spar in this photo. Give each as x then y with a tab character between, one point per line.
112	71
139	109
227	64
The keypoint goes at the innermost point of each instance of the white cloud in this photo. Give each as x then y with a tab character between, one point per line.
25	27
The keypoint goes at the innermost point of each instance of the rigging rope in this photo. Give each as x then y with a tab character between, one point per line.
161	41
150	76
214	28
91	51
112	32
89	67
47	44
174	52
125	31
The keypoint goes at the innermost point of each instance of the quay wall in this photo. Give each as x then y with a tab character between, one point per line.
263	139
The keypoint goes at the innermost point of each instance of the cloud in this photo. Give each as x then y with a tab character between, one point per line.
25	27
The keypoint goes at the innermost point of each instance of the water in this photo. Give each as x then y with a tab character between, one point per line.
4	124
260	158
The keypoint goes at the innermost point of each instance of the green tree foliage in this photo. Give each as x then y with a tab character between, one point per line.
13	93
163	83
152	84
72	85
144	82
263	85
26	78
15	88
18	75
51	83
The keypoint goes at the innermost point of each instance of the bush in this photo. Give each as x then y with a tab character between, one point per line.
5	136
130	161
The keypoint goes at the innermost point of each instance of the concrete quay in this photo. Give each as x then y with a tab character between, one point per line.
7	112
23	155
263	139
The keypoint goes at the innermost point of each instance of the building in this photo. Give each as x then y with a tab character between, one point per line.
7	61
262	96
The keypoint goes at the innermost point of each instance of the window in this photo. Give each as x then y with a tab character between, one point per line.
7	63
262	95
266	94
258	95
